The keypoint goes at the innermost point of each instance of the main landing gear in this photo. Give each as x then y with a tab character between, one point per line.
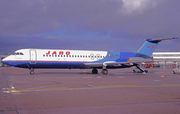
104	71
94	71
31	71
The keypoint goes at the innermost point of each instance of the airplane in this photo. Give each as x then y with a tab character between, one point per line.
82	59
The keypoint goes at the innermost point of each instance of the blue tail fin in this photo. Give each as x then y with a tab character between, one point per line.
150	45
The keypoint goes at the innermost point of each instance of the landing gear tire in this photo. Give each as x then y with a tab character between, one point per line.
104	71
32	72
94	71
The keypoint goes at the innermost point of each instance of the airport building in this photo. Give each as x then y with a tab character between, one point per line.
166	59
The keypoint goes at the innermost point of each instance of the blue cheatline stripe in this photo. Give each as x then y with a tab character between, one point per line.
42	64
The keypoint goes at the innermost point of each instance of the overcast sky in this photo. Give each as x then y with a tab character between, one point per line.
112	25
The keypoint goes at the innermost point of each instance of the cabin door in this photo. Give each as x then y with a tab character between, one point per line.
33	56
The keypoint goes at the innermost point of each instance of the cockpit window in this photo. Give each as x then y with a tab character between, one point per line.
18	53
21	53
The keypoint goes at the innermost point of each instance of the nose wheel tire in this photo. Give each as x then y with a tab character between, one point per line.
32	72
104	71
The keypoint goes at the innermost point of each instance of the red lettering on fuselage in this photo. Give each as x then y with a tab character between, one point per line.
54	52
67	53
48	53
60	53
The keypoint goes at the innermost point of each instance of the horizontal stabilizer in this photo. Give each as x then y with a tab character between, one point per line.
158	40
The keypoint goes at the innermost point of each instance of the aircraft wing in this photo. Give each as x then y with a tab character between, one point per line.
130	61
94	65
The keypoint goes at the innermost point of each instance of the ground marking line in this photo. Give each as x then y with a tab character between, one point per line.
18	91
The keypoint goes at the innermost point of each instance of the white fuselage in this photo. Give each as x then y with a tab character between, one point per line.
50	58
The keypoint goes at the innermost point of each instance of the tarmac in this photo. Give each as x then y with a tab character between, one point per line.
64	91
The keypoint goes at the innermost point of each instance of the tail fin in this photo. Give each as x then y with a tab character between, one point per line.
150	45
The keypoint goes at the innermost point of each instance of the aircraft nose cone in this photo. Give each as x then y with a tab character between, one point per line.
6	61
3	60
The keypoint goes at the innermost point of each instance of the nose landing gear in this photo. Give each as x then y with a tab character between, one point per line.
31	71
